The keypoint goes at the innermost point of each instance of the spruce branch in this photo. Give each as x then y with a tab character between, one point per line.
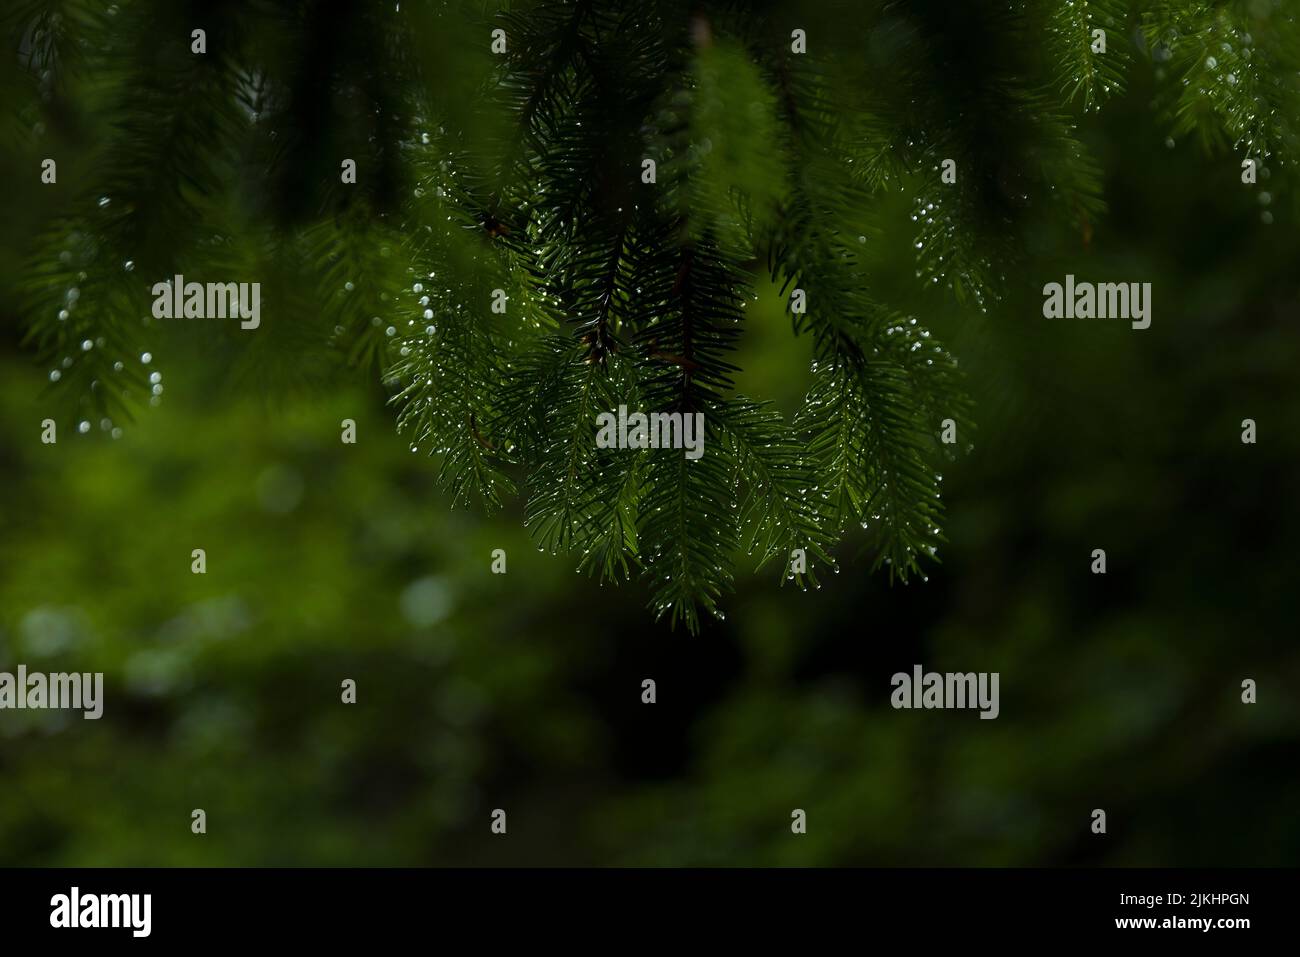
520	178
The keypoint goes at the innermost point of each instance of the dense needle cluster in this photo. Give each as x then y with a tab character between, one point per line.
514	172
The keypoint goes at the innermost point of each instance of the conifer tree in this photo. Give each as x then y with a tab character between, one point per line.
563	207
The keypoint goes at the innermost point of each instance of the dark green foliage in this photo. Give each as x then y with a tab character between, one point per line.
1237	66
522	173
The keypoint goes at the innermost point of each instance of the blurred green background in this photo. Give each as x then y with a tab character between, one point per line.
522	691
